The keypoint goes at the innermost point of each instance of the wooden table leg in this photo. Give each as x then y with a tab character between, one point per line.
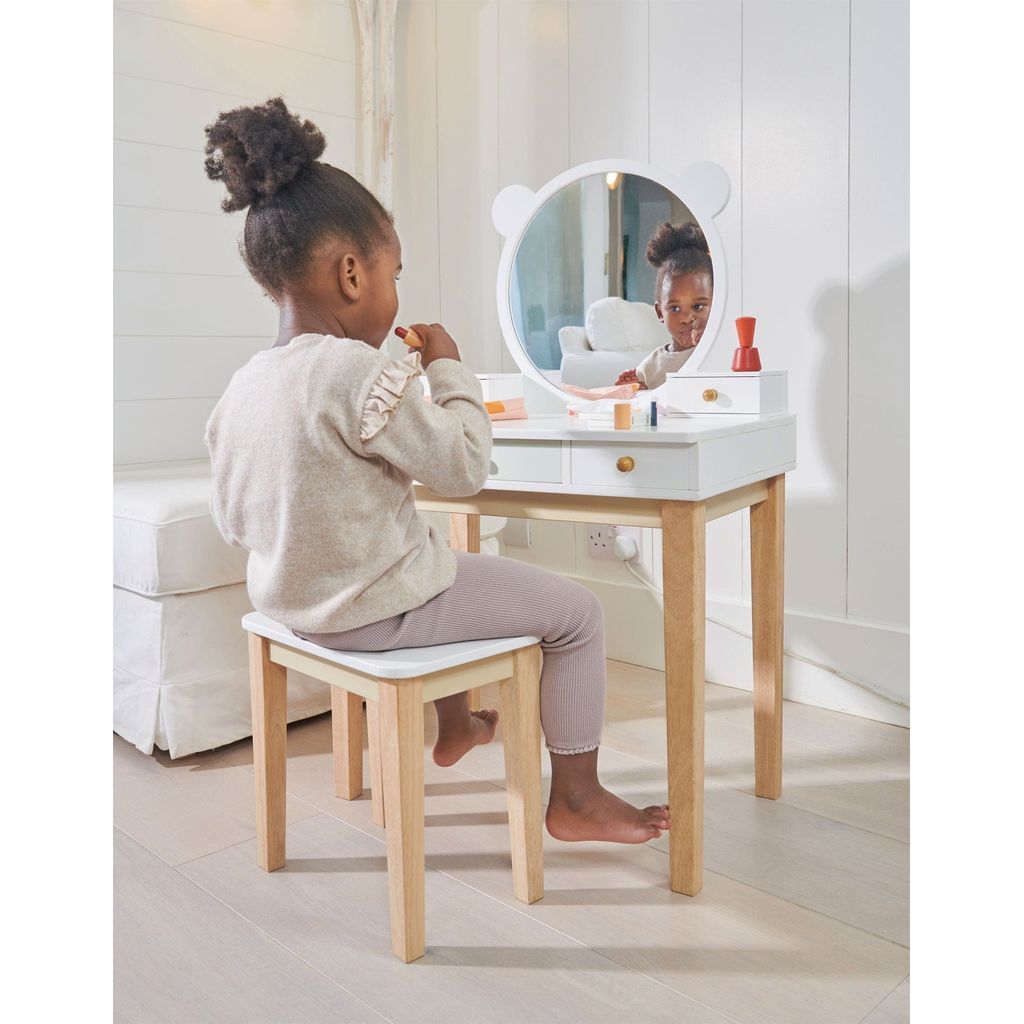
683	580
464	535
767	530
269	689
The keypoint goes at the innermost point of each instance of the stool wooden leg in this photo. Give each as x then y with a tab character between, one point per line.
347	742
767	529
464	535
269	688
401	736
520	724
376	768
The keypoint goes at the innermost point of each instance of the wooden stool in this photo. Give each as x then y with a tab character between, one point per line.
396	685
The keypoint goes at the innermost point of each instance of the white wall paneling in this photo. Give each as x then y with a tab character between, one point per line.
415	165
879	428
162	368
186	313
467	170
160	431
323	29
795	185
609	93
190	305
533	92
176	242
168	51
170	114
804	102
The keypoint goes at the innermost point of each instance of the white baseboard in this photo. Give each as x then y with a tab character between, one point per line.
875	656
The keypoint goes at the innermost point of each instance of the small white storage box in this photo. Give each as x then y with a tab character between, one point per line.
497	386
749	394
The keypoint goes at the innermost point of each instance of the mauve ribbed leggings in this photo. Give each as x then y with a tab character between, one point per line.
493	597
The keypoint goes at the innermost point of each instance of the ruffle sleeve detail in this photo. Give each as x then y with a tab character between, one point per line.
386	394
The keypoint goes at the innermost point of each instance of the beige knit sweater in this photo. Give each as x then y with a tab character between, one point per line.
655	368
314	447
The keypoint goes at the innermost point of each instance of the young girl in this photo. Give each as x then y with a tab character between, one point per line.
315	444
682	293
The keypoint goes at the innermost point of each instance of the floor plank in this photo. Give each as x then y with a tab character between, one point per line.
802	917
750	955
485	962
180	955
186	808
894	1009
801	959
850	874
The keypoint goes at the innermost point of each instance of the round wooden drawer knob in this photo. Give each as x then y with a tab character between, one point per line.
710	395
625	464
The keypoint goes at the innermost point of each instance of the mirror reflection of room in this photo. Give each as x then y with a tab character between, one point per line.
611	283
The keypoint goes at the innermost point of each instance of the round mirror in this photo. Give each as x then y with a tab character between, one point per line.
612	279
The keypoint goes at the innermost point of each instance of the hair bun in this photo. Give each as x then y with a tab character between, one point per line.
257	150
669	240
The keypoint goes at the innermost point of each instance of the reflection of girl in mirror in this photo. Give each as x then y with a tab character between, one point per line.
682	293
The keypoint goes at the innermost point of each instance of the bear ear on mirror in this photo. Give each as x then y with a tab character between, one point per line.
511	207
706	187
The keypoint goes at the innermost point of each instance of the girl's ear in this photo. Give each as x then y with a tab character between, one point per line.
349	277
657	309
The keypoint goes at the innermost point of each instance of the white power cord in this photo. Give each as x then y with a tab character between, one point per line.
626	550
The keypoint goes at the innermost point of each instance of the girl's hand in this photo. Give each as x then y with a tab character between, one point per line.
627	377
437	343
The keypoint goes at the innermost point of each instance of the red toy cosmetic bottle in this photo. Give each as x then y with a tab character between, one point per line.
746	358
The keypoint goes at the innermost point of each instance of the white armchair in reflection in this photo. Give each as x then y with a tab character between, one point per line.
616	336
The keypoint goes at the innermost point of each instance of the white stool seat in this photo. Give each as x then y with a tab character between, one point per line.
405	663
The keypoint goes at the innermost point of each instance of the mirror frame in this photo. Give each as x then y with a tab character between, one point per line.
703	187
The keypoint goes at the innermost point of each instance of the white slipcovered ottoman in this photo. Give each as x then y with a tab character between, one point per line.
181	678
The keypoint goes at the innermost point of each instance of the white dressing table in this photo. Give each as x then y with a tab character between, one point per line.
676	477
685	473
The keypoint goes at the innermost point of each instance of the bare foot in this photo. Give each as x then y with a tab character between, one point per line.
600	815
450	747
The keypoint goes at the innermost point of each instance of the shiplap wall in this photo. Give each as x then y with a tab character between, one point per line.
186	314
805	103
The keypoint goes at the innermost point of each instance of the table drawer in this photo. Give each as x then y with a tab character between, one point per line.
539	461
747	394
636	466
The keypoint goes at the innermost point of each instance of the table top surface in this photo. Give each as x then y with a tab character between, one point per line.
675	429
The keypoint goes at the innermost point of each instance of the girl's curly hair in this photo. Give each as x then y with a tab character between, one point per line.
267	158
678	250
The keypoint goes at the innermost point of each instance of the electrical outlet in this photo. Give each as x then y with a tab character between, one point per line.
601	542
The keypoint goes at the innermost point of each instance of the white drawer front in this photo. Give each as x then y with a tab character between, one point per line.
540	461
747	394
654	467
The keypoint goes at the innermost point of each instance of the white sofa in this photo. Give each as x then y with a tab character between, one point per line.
616	335
181	680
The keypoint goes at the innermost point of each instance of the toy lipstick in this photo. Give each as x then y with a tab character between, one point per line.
410	337
746	358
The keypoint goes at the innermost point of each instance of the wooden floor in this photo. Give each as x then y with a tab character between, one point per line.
802	920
